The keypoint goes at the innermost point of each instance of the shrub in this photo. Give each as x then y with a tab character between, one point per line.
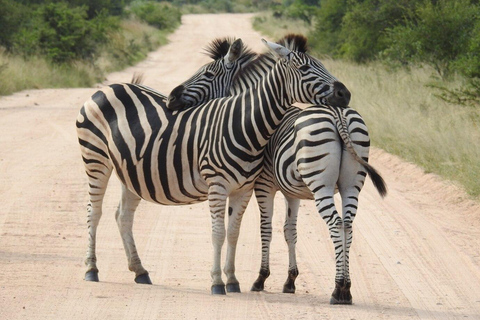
161	15
440	34
63	34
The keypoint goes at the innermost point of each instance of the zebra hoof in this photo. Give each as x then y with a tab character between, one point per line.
233	287
258	286
341	294
143	279
218	289
91	275
336	301
289	287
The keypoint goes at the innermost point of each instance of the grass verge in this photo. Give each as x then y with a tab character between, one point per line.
126	47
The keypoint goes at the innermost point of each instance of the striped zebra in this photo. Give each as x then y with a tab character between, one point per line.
211	152
307	157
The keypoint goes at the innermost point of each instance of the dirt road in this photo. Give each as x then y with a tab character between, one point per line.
415	254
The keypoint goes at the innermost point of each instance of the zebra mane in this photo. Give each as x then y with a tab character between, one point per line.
219	47
265	61
256	67
137	78
295	42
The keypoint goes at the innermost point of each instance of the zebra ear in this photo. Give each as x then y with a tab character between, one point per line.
234	52
278	51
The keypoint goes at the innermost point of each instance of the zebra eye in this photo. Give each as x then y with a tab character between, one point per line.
304	68
209	75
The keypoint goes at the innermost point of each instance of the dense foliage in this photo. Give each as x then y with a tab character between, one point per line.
71	30
444	34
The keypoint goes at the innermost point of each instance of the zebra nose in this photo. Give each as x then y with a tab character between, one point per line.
341	96
174	100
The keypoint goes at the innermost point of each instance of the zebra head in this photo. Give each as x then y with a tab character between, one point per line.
213	80
311	81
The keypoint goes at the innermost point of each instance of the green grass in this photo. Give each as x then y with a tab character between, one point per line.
126	47
405	117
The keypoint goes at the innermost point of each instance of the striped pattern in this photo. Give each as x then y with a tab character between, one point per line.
211	152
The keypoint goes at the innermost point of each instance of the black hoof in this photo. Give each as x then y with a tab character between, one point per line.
143	279
259	284
335	301
91	275
218	289
233	287
341	294
289	287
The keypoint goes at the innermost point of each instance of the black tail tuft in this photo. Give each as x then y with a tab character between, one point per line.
377	180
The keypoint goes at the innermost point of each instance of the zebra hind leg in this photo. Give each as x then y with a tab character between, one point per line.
98	173
290	233
265	196
124	216
326	207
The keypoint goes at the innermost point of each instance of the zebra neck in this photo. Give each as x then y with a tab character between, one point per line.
268	104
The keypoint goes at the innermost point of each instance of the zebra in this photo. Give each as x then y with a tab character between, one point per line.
211	152
228	57
306	140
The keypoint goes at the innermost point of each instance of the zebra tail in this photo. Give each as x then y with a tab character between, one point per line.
377	180
342	128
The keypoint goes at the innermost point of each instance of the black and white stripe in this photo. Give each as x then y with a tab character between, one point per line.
211	152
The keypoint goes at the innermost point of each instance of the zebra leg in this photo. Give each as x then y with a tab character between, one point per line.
237	205
326	207
217	199
350	182
98	173
290	233
265	197
124	216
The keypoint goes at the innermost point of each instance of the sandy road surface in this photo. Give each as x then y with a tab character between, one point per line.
415	255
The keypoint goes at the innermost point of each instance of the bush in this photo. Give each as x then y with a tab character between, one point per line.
325	36
364	26
13	16
161	15
441	35
63	34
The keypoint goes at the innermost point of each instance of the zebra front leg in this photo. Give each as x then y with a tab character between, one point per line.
124	216
217	199
98	175
265	197
290	233
237	205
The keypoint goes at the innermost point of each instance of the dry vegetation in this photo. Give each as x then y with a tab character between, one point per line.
127	46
